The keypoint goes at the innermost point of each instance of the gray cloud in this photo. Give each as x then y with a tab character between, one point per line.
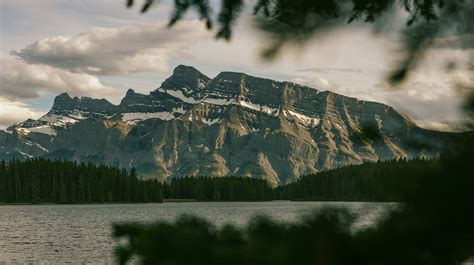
321	83
114	51
447	126
20	80
431	105
13	111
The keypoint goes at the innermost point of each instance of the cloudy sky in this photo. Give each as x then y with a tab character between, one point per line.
99	48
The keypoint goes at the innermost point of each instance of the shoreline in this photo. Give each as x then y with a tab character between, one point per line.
181	201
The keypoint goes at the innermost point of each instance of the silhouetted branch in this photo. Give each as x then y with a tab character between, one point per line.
229	12
295	21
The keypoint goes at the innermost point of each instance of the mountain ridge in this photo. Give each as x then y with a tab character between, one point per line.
232	124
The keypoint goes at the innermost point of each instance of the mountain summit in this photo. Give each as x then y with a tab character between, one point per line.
233	124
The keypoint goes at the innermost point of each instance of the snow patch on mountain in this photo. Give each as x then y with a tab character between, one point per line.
29	143
44	129
25	154
179	110
254	130
201	83
60	120
179	95
306	120
134	117
219	101
257	107
210	122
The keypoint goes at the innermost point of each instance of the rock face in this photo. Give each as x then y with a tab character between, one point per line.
234	124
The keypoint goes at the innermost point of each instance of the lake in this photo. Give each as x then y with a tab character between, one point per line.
82	233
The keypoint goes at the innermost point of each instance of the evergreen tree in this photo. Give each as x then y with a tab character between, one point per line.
40	180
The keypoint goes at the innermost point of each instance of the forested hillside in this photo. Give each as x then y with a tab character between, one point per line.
372	181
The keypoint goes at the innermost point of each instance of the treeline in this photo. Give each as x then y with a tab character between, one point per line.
45	181
219	189
372	181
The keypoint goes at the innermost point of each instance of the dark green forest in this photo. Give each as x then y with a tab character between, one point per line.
219	189
45	181
372	181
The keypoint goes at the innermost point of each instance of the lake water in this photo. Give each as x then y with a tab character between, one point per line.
82	233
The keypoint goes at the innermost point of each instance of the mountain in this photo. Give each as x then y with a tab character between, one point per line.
233	124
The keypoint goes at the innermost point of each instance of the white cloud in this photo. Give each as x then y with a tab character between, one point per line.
432	105
20	80
115	51
323	84
317	82
423	91
447	126
13	112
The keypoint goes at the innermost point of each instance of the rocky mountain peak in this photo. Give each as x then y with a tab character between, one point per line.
62	100
185	70
130	92
65	105
187	78
248	90
231	76
130	96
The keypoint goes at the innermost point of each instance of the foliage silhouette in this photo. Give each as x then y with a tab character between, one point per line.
193	240
296	21
432	226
